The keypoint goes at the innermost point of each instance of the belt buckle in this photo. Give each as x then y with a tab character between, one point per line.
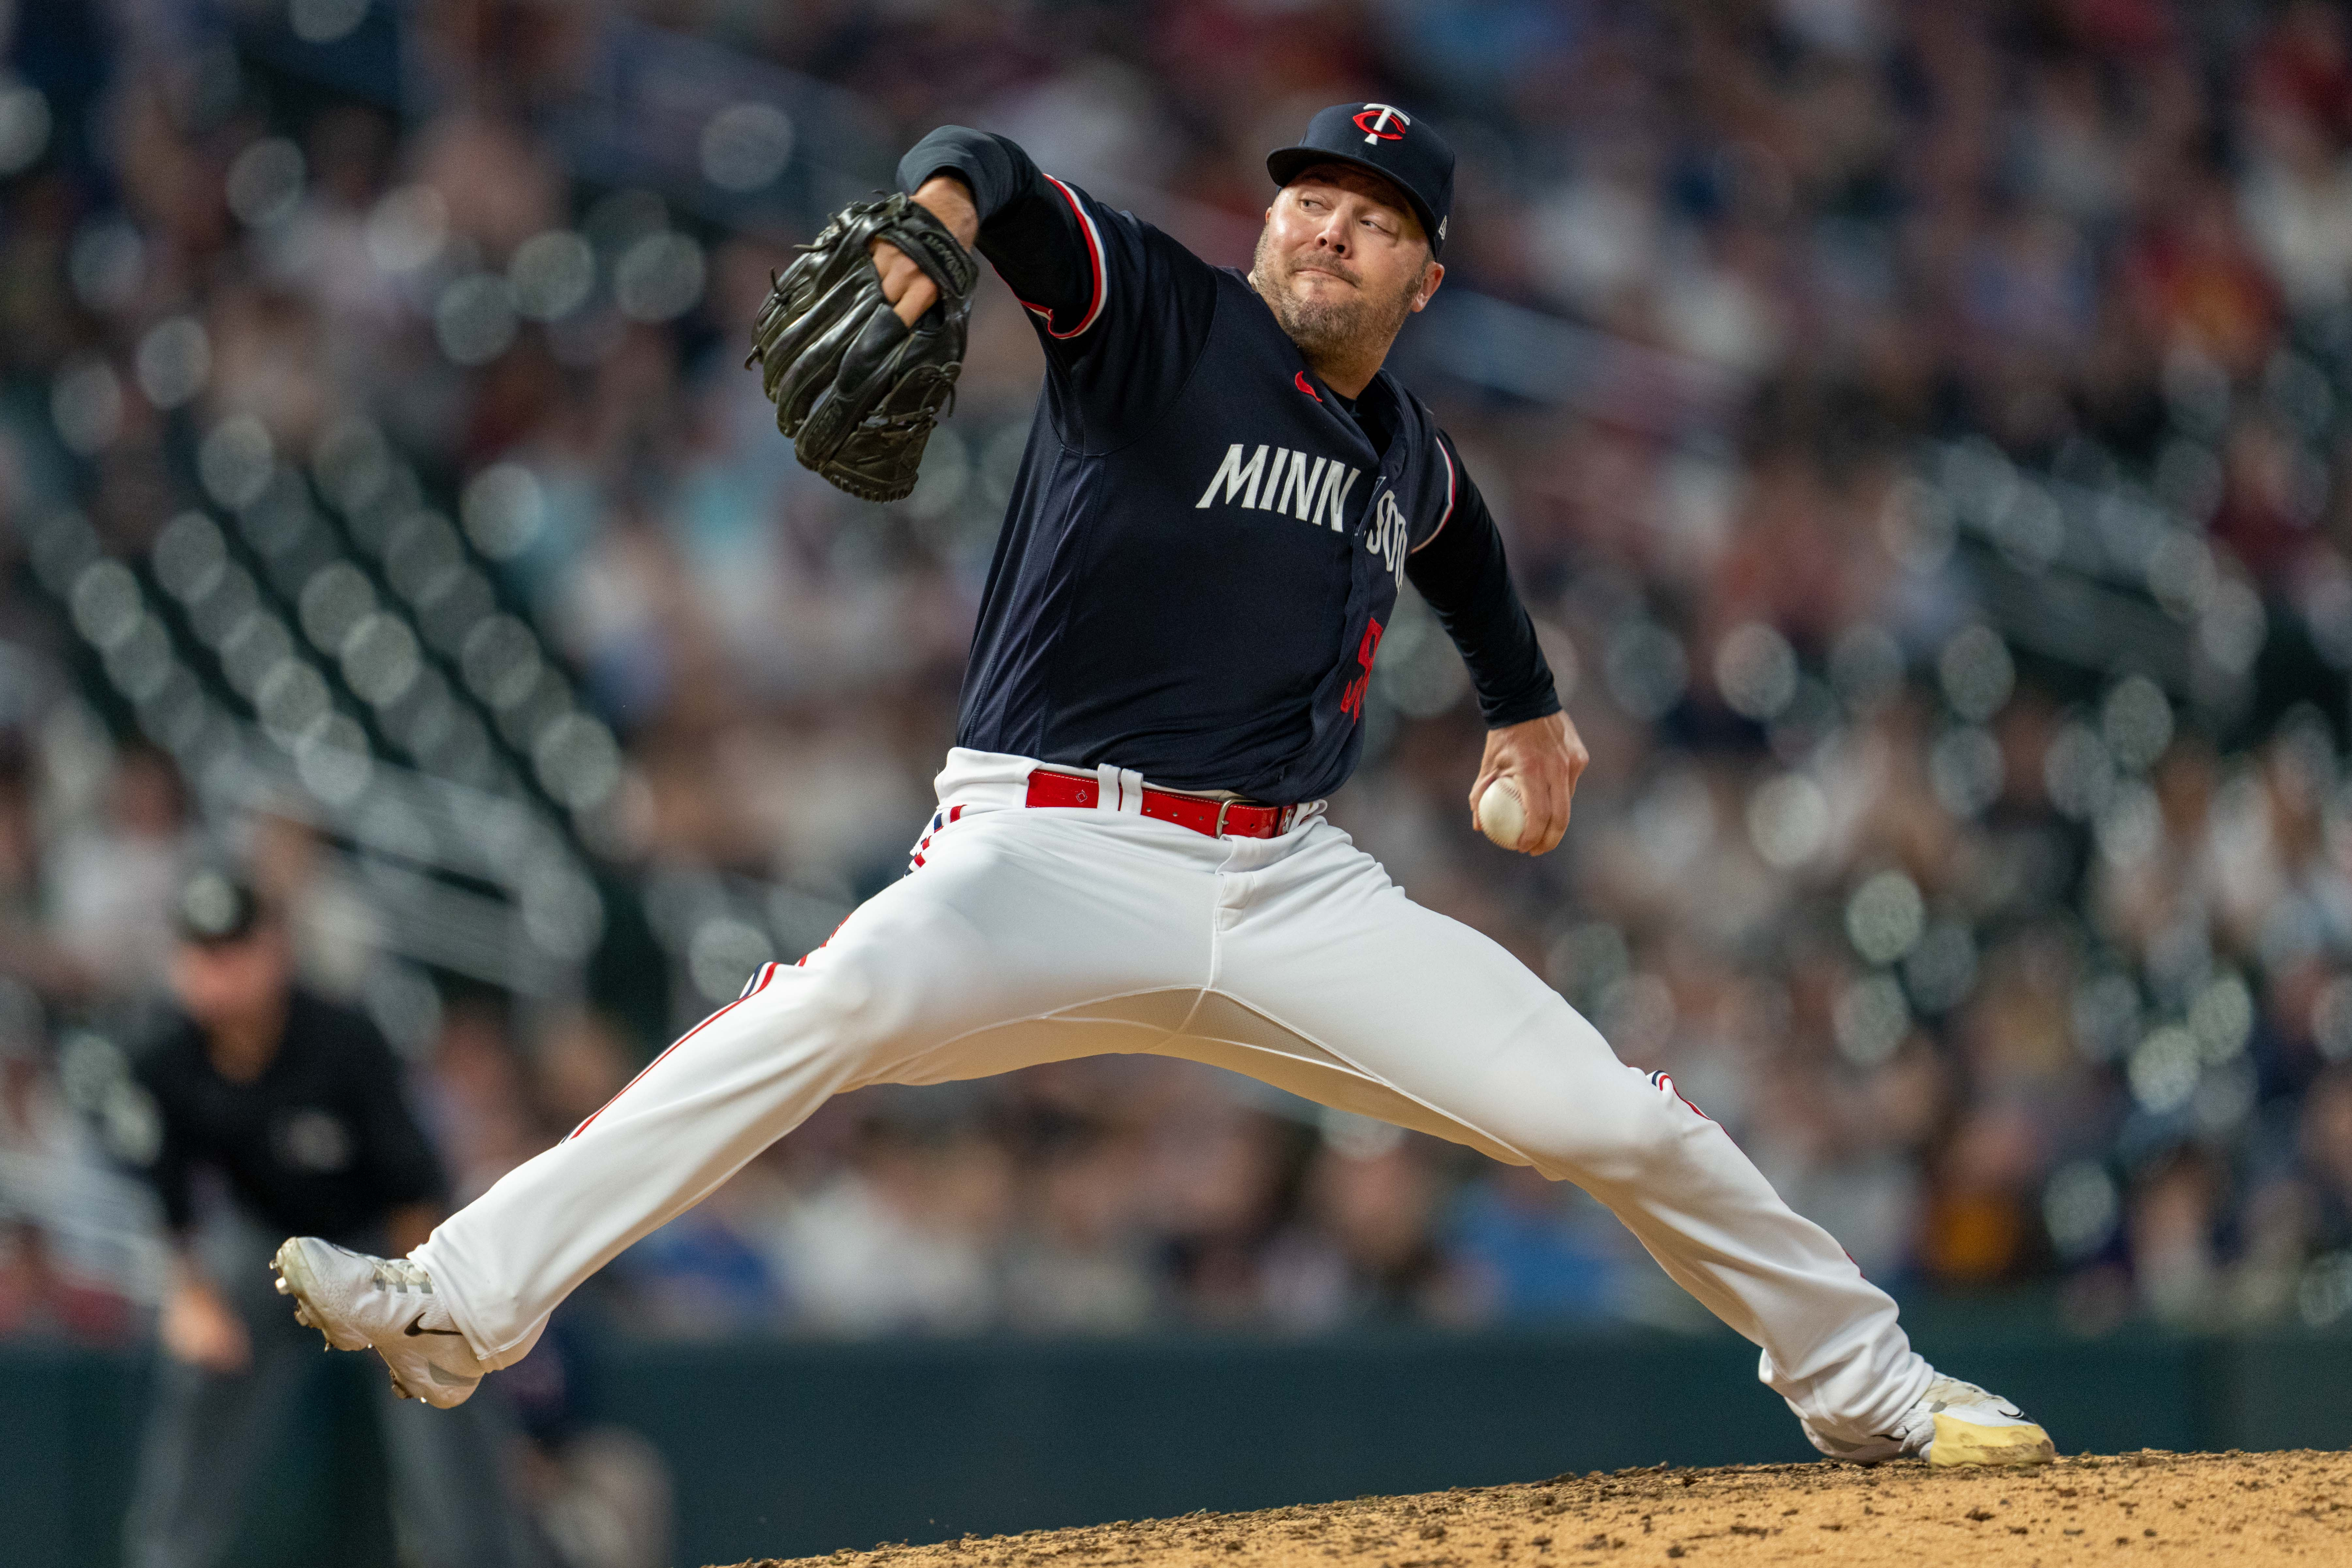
1223	806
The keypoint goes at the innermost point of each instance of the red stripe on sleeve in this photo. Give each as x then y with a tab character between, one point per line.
1447	515
1094	259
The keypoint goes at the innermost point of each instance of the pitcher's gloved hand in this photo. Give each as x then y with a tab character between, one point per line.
856	388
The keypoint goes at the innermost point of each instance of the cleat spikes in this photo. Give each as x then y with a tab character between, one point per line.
359	1303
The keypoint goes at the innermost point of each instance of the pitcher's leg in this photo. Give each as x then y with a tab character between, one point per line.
956	971
728	1088
1324	944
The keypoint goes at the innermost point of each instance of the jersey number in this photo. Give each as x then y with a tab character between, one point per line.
1351	700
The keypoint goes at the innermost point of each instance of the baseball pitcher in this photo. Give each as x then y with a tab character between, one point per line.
1222	493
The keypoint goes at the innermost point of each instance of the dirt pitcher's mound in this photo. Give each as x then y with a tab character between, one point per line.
2248	1510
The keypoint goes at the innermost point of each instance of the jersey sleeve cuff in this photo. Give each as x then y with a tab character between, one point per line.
1093	262
1519	711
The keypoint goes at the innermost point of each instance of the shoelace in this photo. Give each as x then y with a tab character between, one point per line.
1950	1390
401	1275
1918	1425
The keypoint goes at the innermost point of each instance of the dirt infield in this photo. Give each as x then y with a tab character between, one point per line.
2248	1510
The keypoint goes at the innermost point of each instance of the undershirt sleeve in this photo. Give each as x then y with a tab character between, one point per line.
1459	571
1032	236
1121	310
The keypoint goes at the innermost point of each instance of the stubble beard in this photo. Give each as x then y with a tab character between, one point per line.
1346	327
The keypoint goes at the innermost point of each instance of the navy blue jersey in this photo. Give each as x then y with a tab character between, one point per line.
1204	543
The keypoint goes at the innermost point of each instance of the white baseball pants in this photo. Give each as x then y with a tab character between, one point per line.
1037	935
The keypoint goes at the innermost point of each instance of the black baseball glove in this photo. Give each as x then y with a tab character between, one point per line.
854	387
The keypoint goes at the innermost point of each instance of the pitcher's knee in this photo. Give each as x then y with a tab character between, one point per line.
854	1006
1622	1134
833	1004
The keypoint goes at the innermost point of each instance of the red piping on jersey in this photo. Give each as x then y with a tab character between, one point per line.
937	823
1666	1081
1448	512
1094	258
1300	381
674	1045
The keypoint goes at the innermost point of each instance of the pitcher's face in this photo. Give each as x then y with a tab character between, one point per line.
1342	259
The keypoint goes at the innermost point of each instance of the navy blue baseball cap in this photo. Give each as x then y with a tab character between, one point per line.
1386	141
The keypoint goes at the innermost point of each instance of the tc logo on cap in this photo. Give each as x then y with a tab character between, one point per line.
1373	120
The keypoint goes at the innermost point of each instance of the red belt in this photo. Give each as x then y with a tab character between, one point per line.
1217	818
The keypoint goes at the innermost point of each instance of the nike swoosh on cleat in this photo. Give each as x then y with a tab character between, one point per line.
413	1331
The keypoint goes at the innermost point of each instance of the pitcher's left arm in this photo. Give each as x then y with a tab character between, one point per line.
1460	570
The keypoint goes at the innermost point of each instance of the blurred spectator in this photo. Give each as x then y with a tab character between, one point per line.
1366	1250
1224	1175
336	935
601	1494
40	1300
2174	1225
581	1061
702	1275
1533	1252
899	1240
70	1266
2298	1252
113	882
29	947
479	1103
1081	1263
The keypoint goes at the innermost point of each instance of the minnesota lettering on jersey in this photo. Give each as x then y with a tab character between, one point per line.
1386	536
1312	490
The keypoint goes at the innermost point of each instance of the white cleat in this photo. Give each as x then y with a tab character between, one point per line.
1953	1422
384	1304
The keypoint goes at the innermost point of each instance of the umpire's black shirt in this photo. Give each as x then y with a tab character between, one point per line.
1204	542
321	1143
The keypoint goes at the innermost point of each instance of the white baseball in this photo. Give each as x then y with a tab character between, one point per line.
1502	814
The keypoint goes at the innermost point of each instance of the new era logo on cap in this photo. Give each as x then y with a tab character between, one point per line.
1385	140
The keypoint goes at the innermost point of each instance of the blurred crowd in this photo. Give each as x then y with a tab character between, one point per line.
1994	891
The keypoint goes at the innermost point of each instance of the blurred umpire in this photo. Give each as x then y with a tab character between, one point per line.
281	1113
